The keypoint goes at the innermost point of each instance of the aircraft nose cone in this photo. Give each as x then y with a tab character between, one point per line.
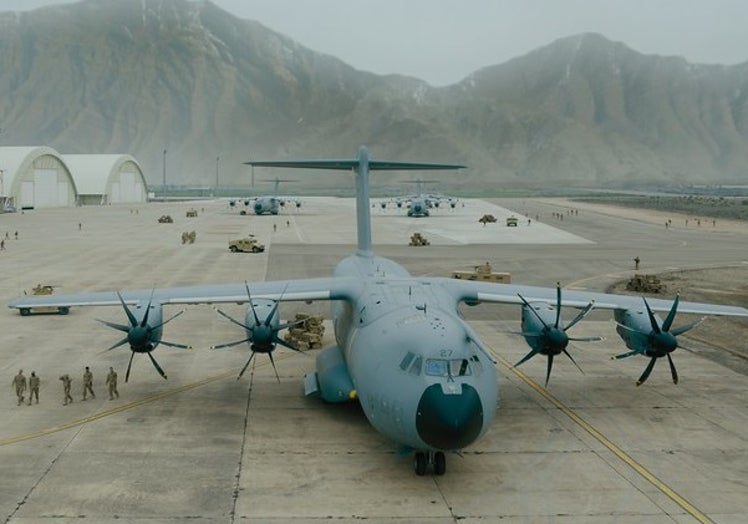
449	422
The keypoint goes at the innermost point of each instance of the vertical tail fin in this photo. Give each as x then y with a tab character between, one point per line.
361	165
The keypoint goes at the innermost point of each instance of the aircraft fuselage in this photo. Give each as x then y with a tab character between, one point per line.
419	379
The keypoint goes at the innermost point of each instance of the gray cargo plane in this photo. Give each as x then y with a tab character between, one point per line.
421	374
271	204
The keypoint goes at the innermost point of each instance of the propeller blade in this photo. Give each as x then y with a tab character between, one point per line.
144	322
226	316
167	321
174	345
130	316
129	365
679	331
118	327
155	365
647	371
230	344
671	314
672	369
573	361
652	319
626	355
290	324
587	339
581	314
558	306
251	305
527	357
272	362
246	366
118	344
550	367
532	309
283	343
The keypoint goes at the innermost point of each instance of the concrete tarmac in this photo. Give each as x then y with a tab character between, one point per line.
203	446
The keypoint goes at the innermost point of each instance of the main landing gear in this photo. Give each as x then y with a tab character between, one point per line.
423	460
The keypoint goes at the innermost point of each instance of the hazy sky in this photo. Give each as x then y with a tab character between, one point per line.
442	41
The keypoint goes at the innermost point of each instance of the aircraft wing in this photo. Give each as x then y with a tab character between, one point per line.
282	290
472	291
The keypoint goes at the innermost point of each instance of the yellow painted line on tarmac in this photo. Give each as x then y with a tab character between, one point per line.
113	411
618	452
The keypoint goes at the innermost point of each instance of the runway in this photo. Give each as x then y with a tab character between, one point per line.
203	446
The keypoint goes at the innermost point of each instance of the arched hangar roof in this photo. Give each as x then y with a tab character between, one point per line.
95	174
15	160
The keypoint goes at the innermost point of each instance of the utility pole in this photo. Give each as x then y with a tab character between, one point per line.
217	159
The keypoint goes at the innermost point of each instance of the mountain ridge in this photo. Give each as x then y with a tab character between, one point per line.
213	90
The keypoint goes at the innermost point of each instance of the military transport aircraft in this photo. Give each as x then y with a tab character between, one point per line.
421	374
420	204
272	203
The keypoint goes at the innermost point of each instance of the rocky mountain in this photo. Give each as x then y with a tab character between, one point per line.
212	90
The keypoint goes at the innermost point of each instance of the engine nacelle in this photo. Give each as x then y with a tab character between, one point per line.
331	381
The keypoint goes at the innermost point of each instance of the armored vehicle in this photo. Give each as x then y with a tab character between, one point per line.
246	245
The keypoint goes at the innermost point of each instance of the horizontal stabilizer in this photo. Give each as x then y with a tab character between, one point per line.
347	165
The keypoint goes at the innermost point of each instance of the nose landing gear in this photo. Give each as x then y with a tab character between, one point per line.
435	459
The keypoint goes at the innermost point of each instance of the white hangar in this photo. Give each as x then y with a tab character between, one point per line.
107	179
40	177
34	177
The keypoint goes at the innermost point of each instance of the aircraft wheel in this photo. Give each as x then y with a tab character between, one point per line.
25	311
420	464
440	463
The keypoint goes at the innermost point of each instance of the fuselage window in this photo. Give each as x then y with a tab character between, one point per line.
437	367
415	369
407	359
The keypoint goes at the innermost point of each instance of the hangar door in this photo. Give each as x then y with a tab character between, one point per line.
44	190
128	189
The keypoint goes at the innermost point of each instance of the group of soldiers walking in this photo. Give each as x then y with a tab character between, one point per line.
20	384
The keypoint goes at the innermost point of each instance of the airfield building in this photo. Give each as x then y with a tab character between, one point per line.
35	177
107	179
40	177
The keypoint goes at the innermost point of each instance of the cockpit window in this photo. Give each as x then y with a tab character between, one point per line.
407	359
415	369
458	367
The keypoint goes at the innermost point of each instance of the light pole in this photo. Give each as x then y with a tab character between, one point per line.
164	169
217	159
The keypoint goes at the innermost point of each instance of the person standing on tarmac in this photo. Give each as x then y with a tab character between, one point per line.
66	382
111	382
19	382
88	383
34	387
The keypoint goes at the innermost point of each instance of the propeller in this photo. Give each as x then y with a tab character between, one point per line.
660	341
552	340
262	334
142	336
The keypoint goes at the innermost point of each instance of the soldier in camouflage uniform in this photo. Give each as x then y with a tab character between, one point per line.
34	387
88	383
66	382
19	382
111	382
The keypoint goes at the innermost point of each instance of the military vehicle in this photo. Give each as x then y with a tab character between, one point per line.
246	245
42	289
165	219
483	273
512	221
417	239
486	219
645	284
307	332
188	237
192	213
